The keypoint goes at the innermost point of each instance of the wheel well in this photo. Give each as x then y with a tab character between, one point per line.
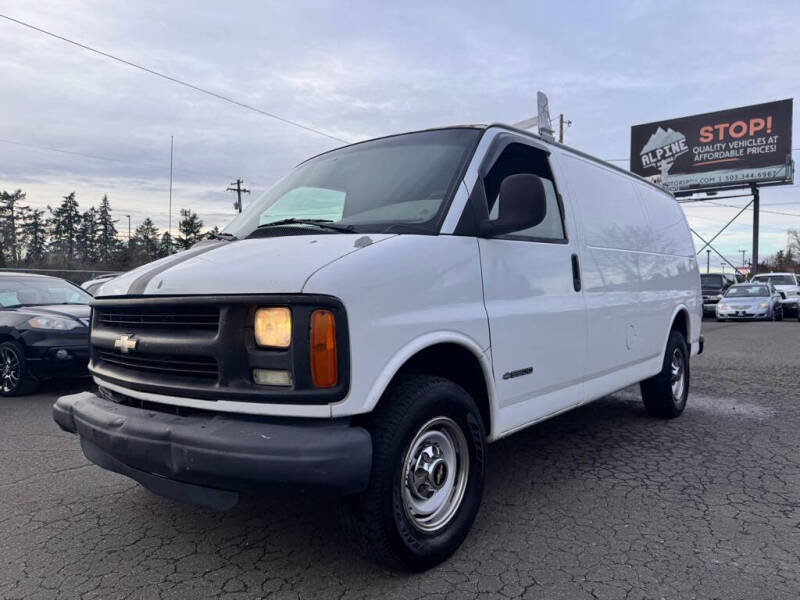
459	365
681	323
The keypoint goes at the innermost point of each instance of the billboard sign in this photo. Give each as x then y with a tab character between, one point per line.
727	148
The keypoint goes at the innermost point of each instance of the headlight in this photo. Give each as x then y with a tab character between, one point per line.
717	297
60	323
764	305
273	327
722	306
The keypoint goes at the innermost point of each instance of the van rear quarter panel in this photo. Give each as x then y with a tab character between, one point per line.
401	296
638	270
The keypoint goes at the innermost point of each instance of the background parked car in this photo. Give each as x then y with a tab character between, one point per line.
787	284
92	285
750	301
44	331
714	285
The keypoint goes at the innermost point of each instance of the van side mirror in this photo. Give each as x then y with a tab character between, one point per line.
522	204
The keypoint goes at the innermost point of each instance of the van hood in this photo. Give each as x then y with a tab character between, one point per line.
255	266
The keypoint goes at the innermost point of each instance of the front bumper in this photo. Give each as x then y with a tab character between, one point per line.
749	313
46	362
206	458
43	359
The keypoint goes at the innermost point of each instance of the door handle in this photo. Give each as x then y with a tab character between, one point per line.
576	273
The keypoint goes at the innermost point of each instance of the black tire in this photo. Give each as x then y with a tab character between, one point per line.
14	377
657	392
378	519
779	314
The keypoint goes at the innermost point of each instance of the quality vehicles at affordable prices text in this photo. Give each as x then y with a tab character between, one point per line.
378	316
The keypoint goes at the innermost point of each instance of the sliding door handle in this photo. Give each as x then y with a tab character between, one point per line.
576	273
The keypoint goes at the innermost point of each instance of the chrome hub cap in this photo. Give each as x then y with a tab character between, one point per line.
9	369
435	473
678	376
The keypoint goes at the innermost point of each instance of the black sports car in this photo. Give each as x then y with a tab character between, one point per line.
44	331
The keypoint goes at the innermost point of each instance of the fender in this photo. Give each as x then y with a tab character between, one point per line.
689	332
421	343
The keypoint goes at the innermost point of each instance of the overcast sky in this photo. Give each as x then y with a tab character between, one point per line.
357	70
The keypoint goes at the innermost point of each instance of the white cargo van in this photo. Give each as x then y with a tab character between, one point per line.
378	316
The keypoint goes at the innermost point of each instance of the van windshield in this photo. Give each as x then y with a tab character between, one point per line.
400	183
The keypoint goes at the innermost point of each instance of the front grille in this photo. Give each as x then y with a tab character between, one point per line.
173	318
203	347
196	367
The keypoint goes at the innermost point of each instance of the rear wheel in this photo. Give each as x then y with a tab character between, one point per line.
777	313
427	475
665	394
14	377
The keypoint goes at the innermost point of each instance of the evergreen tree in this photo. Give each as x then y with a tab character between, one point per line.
107	243
64	226
34	234
11	214
166	245
145	242
88	237
189	227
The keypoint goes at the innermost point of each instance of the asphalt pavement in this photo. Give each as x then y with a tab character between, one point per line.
602	502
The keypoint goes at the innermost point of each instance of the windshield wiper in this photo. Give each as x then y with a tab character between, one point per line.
212	235
321	223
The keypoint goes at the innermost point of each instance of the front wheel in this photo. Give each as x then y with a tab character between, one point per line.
427	475
665	394
14	377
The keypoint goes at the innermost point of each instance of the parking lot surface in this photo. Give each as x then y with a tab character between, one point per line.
602	502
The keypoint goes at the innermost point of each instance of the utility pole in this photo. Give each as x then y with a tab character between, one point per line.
239	191
744	265
708	260
561	122
756	202
169	226
129	228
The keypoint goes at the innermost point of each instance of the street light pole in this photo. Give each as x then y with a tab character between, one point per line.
708	260
129	228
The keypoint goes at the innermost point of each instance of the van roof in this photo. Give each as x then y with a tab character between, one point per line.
515	130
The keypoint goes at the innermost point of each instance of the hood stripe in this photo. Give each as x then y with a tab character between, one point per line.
140	283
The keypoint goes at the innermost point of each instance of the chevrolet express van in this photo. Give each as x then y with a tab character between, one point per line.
378	316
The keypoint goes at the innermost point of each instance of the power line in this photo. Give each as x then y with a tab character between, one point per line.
93	156
174	79
720	205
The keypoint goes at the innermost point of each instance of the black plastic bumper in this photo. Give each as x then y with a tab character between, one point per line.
207	458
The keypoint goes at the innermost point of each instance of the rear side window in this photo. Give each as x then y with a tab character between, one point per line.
519	158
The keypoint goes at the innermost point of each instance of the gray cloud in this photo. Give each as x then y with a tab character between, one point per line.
358	70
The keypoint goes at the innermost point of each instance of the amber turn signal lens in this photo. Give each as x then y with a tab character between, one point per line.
323	349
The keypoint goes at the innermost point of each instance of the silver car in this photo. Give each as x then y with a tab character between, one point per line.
750	301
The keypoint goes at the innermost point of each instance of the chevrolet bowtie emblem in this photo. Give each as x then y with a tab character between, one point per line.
125	343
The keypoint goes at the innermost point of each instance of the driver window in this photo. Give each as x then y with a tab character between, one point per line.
519	158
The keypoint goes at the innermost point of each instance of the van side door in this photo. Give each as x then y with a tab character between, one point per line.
531	281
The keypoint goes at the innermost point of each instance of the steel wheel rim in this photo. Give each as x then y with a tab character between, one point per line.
677	375
10	369
434	475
